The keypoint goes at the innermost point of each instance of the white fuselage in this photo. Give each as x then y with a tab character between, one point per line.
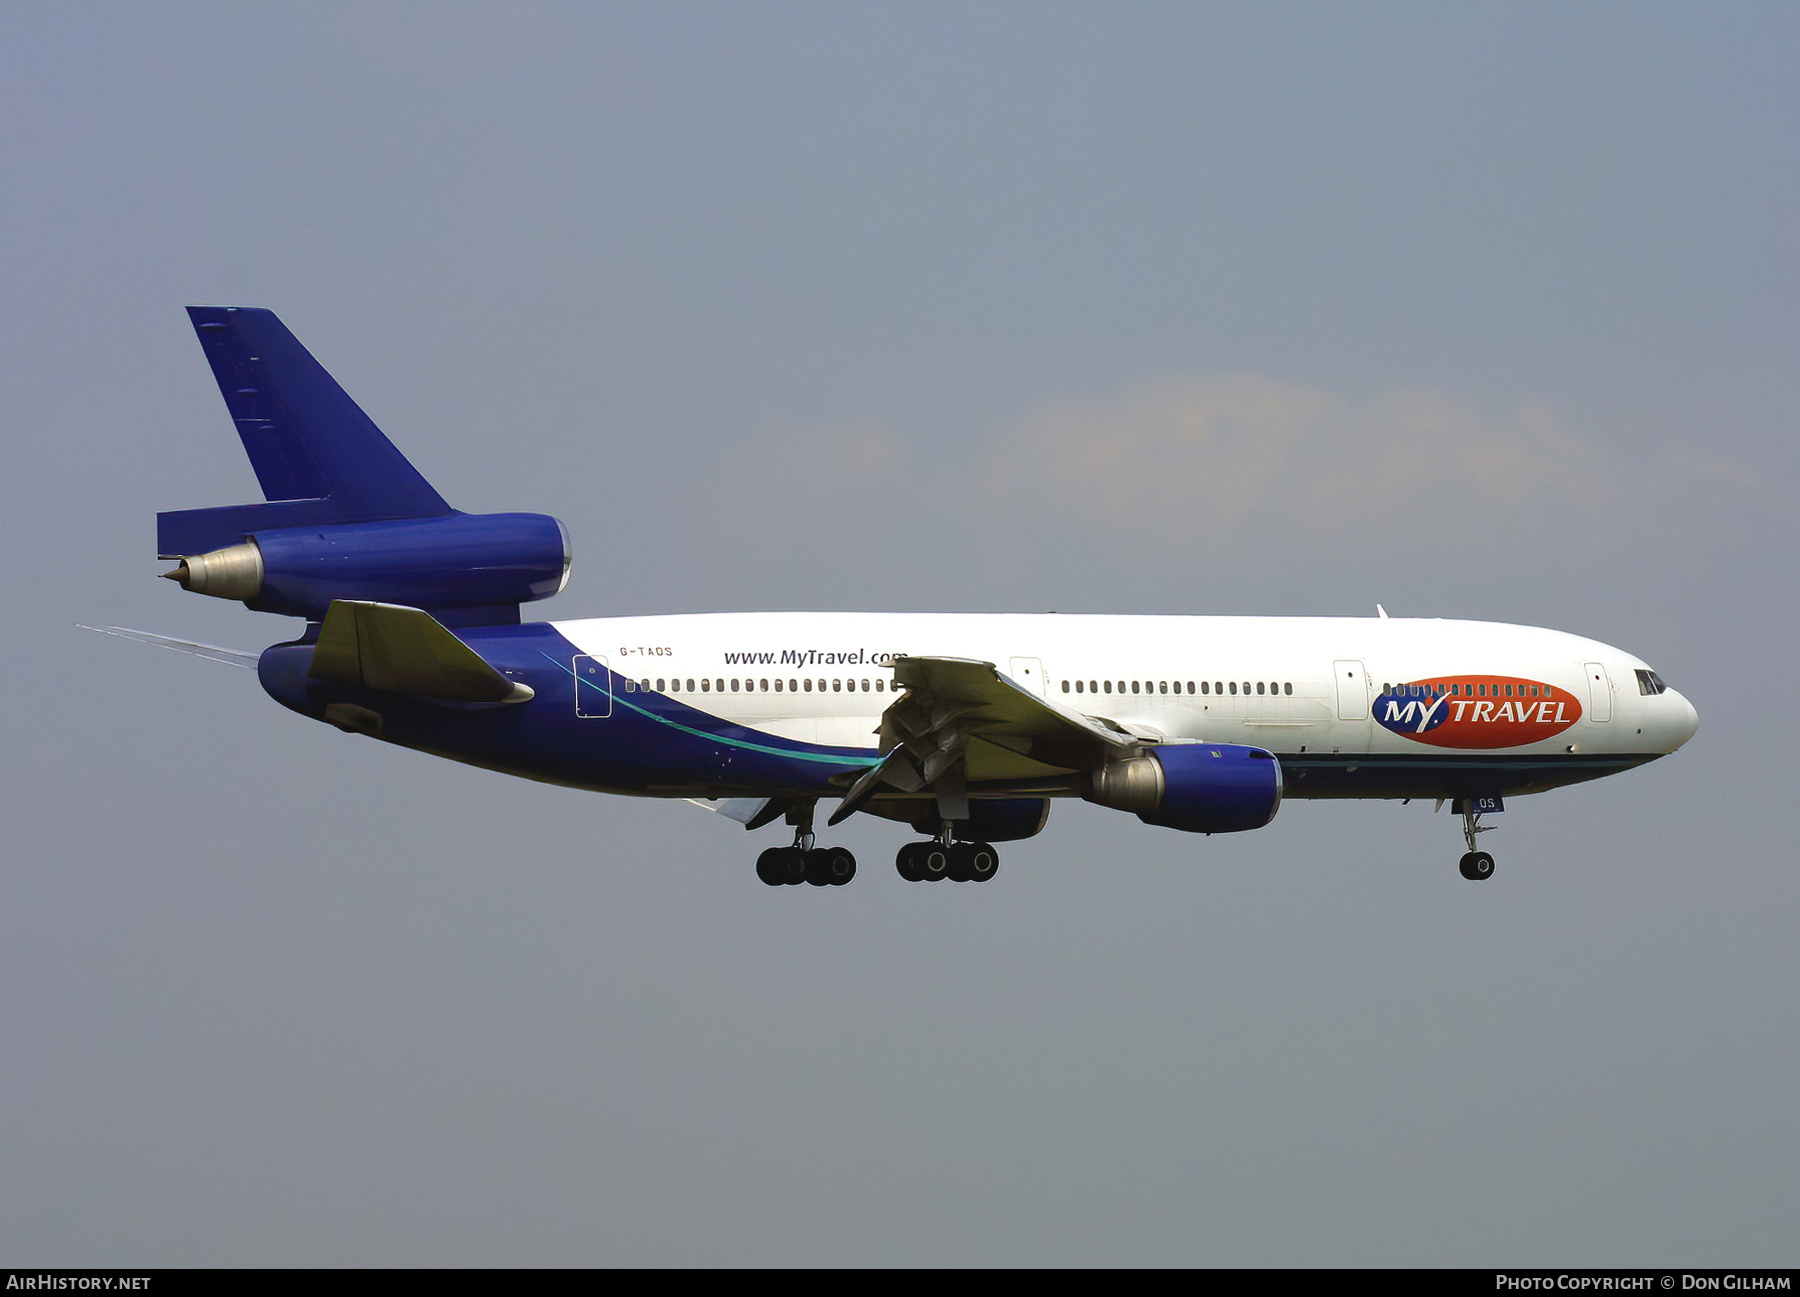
1292	685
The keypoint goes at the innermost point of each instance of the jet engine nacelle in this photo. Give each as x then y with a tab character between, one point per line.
453	561
1194	787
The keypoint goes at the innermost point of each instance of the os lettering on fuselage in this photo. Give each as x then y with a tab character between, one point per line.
1477	711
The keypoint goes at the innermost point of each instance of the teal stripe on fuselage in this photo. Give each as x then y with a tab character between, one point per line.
797	754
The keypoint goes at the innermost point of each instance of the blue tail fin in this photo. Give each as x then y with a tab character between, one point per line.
317	456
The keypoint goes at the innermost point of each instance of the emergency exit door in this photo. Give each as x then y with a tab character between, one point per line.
1028	672
593	688
1352	690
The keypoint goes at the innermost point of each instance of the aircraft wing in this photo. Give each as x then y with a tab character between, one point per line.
963	722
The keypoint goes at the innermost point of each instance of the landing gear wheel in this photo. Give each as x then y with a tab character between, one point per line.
984	861
817	870
840	866
959	862
1477	866
907	863
781	866
931	860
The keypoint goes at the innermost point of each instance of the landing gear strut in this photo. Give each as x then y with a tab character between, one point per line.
942	857
1476	866
804	862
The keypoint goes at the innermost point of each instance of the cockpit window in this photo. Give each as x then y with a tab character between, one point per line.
1649	682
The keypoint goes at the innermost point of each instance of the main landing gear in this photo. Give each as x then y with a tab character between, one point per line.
820	866
960	862
1476	866
803	862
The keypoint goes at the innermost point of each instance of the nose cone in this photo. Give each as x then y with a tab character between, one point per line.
1682	724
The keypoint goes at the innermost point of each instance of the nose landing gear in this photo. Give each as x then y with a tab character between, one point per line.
1476	866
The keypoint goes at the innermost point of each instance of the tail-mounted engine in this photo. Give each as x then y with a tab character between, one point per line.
345	516
456	562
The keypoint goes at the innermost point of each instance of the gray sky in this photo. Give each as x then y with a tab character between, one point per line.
1474	310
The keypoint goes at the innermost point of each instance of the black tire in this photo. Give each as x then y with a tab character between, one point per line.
769	866
961	857
790	866
984	862
1476	866
840	865
933	862
906	862
817	867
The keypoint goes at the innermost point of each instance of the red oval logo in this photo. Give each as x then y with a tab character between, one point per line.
1477	711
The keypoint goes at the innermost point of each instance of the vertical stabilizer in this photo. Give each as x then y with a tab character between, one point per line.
317	456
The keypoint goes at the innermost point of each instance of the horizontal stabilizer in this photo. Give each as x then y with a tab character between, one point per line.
405	651
181	533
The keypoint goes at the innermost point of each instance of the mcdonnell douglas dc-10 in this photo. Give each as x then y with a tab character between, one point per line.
965	727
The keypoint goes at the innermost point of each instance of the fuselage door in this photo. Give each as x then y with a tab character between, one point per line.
1028	672
593	689
1352	690
1599	692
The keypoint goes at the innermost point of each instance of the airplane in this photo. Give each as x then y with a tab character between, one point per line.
965	727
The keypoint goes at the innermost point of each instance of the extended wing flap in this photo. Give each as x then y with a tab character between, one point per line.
962	722
405	651
992	704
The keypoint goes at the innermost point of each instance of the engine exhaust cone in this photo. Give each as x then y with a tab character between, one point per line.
235	572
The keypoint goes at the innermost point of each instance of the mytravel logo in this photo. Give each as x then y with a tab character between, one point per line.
1477	711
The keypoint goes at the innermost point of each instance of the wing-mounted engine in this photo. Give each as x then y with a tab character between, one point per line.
963	728
1194	787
